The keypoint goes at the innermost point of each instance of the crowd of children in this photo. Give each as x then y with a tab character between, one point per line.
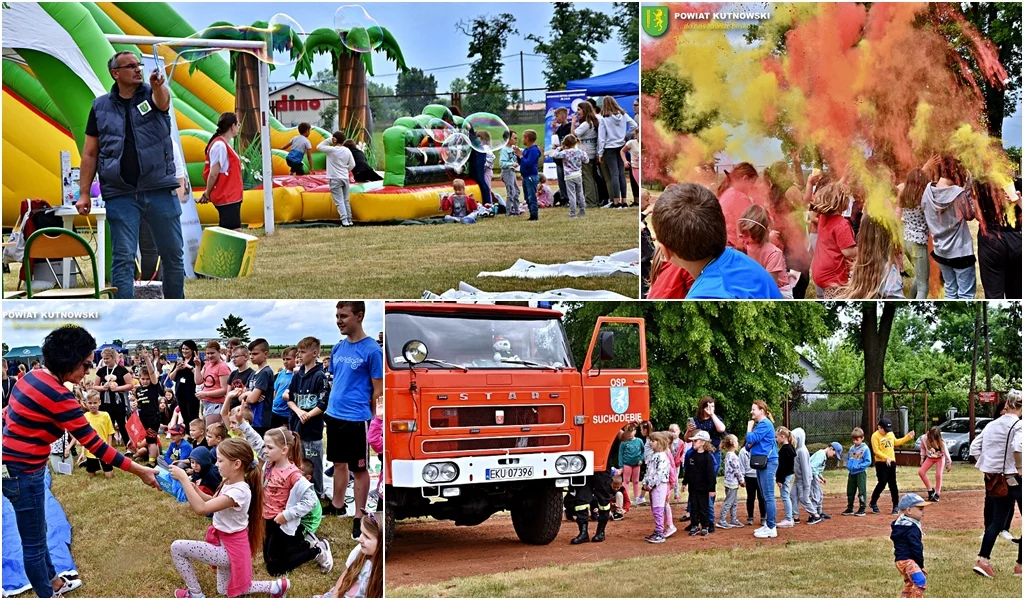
254	461
821	233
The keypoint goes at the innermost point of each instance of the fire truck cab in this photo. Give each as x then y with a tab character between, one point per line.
487	411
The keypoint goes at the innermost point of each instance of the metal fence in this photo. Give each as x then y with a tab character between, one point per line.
823	426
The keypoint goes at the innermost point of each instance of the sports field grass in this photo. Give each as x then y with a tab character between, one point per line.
850	568
122	533
401	262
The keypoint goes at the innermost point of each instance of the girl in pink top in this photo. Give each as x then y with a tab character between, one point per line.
237	530
734	196
753	228
284	547
934	452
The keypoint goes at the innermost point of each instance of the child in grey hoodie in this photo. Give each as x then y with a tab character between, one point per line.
947	209
733	481
803	480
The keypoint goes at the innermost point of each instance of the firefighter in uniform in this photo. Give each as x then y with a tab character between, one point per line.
597	492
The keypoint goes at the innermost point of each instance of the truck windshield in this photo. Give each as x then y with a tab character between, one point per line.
478	342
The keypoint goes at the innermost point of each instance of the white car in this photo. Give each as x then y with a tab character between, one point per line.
955	434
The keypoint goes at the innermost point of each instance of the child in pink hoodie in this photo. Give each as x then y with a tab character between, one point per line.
375	437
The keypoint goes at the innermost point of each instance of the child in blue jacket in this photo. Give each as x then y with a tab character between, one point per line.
858	459
907	545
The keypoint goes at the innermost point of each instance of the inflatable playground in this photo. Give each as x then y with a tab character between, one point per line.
54	65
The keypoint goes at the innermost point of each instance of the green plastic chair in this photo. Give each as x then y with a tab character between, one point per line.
53	243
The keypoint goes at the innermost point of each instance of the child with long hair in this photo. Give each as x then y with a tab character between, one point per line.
948	208
656	480
754	228
631	456
734	196
364	569
237	530
915	230
934	453
753	489
784	476
999	240
875	270
733	481
835	246
289	497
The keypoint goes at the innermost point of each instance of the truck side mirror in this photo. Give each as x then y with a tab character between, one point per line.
414	352
606	342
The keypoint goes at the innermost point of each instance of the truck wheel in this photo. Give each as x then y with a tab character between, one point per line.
538	515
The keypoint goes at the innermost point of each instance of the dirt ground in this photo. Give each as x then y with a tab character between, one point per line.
432	551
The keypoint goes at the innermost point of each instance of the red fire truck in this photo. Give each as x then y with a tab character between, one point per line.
486	411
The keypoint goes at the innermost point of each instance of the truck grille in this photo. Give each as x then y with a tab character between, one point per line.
444	417
496	443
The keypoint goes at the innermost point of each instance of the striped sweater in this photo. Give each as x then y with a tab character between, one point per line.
39	412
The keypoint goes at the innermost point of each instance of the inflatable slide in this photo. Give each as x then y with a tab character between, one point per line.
54	65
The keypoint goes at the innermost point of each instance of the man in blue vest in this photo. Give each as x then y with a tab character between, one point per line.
128	143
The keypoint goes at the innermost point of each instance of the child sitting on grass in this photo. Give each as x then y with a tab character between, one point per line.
179	449
215	434
203	470
545	198
620	498
460	206
197	433
908	547
689	227
289	497
364	568
236	532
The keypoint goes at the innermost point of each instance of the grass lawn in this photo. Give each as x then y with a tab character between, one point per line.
397	262
851	568
122	533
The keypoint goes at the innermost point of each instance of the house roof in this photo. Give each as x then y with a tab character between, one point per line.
297	85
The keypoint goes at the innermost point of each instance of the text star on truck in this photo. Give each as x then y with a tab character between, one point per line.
486	411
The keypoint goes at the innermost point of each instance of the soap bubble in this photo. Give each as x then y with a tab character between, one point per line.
359	32
455	151
282	36
439	130
494	132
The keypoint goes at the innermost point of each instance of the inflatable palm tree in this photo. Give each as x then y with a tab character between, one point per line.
245	67
351	67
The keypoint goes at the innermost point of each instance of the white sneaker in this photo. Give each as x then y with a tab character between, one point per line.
70	584
785	524
640	501
766	533
1006	535
760	529
324	559
671	531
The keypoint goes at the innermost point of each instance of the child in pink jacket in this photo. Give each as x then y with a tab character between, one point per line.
375	437
934	452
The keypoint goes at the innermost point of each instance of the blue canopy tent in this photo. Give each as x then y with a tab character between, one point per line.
58	540
97	353
623	85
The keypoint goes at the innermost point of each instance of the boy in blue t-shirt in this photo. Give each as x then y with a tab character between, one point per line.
279	408
529	159
689	225
357	365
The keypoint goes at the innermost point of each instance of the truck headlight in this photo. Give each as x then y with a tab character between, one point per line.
440	472
570	464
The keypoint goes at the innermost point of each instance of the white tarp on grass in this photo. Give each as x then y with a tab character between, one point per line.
624	263
468	292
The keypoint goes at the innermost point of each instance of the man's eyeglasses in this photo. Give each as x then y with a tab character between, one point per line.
135	66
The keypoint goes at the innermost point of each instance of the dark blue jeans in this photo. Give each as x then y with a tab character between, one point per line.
530	193
26	492
163	211
766	484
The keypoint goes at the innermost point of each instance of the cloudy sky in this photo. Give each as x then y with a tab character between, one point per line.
279	321
424	30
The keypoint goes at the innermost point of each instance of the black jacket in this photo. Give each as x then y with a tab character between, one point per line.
787	454
700	472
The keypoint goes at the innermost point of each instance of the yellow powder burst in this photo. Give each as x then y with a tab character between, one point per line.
919	132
